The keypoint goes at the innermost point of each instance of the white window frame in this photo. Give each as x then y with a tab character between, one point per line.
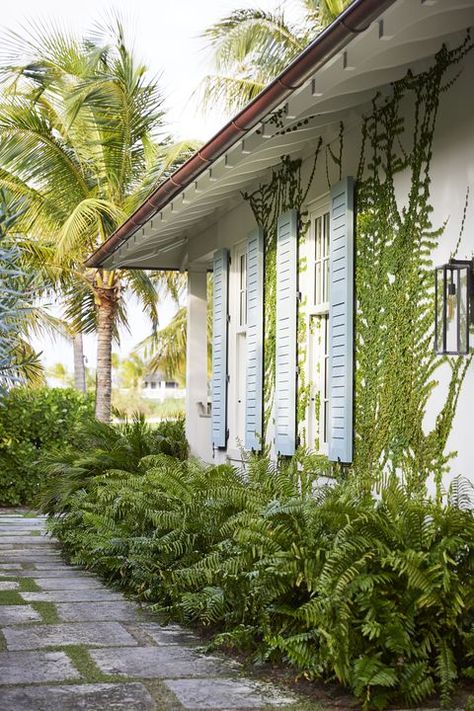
237	330
241	287
319	383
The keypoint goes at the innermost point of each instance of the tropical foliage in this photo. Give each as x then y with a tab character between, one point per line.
165	350
18	361
121	447
33	421
82	139
250	47
373	592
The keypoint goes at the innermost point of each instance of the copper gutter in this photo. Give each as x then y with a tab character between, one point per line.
355	18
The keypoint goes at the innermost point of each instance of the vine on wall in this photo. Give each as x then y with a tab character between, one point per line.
396	364
286	190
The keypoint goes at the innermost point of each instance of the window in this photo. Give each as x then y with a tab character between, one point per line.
243	290
238	346
318	344
324	379
321	260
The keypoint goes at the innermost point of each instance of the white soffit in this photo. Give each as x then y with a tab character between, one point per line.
408	32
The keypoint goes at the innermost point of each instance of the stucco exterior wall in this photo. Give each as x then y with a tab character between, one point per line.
452	174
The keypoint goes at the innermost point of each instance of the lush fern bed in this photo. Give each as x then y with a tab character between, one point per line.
374	592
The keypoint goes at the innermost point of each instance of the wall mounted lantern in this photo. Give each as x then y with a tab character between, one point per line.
454	306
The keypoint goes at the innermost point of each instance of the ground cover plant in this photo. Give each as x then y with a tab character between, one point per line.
374	592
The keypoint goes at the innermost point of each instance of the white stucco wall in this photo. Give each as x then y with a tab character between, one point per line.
452	174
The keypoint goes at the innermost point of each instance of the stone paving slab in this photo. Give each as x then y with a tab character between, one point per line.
27	556
27	531
100	634
65	583
92	614
83	595
9	585
222	694
24	540
41	553
59	572
34	667
9	566
85	697
12	521
157	662
18	614
168	634
120	611
54	564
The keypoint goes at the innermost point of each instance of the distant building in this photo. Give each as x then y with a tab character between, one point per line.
157	387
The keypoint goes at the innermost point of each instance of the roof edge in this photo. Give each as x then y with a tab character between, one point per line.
354	19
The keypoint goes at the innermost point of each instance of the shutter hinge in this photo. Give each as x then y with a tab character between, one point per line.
299	296
298	441
227	378
228	318
227	433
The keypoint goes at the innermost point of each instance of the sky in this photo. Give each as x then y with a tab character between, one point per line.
166	38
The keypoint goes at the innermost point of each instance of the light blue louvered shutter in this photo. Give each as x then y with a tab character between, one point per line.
254	402
219	348
286	336
341	322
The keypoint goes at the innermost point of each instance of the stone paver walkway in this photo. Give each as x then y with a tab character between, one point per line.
67	642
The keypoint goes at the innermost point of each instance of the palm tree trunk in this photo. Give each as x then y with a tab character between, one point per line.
79	368
106	302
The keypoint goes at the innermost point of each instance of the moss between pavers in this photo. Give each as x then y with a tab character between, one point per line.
87	668
11	597
25	584
28	585
48	612
79	656
165	699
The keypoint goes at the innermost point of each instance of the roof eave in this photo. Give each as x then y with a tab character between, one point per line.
355	19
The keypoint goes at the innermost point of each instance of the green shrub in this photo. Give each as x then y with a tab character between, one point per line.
32	421
376	593
108	447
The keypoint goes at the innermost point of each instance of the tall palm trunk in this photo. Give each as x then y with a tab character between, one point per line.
107	304
79	368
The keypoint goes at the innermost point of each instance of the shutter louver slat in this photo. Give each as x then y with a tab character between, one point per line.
286	335
219	349
254	401
341	322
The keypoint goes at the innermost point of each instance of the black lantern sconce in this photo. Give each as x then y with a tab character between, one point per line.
454	304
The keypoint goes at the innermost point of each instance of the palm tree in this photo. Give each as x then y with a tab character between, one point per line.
250	47
132	371
166	350
82	139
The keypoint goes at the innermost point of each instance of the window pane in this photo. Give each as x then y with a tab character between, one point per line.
326	233
321	259
317	284
243	290
317	238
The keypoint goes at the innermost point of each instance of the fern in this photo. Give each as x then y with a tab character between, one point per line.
376	593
